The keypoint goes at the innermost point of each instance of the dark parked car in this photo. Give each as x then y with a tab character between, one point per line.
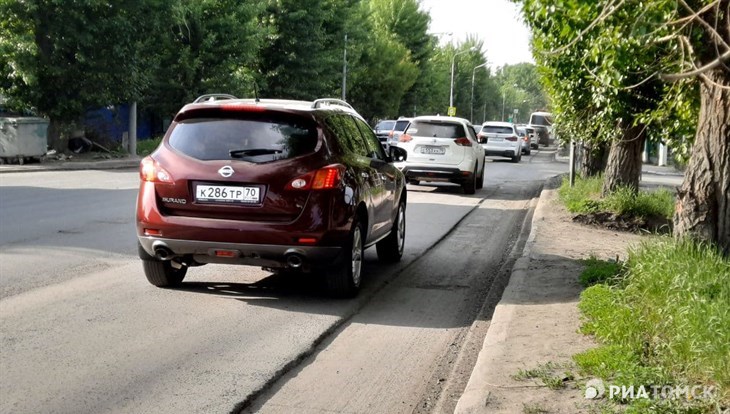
382	131
303	186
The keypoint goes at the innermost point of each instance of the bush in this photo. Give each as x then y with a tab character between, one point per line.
147	146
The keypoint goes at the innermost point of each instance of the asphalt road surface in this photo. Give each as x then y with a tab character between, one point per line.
81	330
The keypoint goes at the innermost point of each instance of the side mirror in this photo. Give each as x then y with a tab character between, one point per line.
398	154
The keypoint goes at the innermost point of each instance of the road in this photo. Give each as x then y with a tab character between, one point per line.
83	332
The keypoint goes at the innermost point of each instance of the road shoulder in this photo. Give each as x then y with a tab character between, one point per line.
535	325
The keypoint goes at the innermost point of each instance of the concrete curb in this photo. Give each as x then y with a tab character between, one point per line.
476	393
116	164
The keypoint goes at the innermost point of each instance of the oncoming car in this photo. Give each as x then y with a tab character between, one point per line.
285	185
442	148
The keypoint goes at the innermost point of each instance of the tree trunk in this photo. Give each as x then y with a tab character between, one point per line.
55	140
703	200
623	168
593	158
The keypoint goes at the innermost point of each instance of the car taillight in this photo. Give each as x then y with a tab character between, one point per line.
150	170
512	138
405	138
243	107
463	142
323	179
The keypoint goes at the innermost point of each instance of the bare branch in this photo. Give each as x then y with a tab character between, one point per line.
698	71
684	20
713	33
605	13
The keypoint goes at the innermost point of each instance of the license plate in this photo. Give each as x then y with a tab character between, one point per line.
227	194
433	150
496	139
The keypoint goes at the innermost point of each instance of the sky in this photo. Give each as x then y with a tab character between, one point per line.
497	22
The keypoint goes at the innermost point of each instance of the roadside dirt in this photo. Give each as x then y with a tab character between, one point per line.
627	223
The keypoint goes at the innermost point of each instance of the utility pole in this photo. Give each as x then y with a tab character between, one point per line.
344	72
133	129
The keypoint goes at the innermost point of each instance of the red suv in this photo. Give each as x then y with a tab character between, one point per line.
303	186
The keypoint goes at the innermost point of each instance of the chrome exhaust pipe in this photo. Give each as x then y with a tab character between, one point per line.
295	261
162	252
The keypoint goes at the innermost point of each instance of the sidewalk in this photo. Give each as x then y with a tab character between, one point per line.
535	325
645	167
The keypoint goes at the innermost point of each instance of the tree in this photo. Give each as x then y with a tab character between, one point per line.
629	53
199	47
62	58
302	56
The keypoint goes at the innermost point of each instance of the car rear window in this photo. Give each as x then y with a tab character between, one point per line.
253	140
385	125
436	129
488	129
400	126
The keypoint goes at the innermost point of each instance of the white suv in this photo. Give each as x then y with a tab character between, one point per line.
501	138
442	148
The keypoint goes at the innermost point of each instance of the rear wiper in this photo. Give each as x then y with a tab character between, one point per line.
253	152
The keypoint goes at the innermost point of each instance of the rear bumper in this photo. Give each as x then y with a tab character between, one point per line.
274	256
427	173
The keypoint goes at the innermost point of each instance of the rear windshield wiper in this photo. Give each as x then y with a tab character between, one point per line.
253	152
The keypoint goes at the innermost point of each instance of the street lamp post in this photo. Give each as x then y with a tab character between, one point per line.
473	74
453	62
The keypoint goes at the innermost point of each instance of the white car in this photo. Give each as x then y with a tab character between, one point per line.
501	139
398	129
445	149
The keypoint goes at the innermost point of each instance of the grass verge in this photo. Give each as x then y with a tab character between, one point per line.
585	198
663	318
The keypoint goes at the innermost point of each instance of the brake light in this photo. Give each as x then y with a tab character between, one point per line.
405	138
323	179
243	107
526	138
150	170
463	142
512	138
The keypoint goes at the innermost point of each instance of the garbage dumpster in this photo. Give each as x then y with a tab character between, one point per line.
22	138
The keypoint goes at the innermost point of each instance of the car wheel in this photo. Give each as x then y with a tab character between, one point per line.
343	280
470	185
390	249
528	152
518	157
480	180
163	273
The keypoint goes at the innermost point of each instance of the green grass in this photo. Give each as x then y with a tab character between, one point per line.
665	320
599	271
145	147
585	197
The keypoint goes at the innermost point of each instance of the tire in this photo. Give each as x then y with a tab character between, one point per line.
480	180
528	152
162	274
517	158
470	185
390	249
343	279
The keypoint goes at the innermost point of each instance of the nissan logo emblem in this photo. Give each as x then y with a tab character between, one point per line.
226	171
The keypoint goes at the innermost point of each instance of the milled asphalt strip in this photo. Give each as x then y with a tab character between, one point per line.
362	301
474	337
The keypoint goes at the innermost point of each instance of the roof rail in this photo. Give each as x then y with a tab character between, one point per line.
330	101
213	97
